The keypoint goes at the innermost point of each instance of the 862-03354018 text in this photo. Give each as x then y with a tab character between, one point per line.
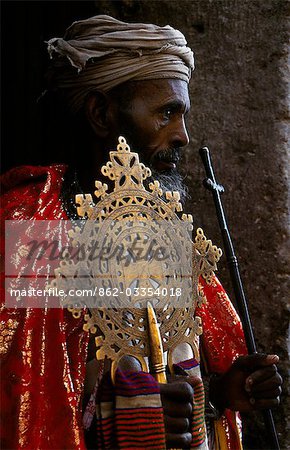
99	291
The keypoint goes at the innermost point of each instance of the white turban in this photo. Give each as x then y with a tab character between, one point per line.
101	53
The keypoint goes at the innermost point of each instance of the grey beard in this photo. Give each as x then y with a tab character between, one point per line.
171	181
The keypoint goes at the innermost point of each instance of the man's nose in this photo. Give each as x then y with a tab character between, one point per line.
179	136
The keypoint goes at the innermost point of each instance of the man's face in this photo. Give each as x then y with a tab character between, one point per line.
154	122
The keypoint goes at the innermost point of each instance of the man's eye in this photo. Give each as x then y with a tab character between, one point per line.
167	113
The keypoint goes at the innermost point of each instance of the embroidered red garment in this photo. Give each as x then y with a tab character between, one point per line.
44	351
223	336
222	342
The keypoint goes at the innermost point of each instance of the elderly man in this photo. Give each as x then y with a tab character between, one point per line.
132	80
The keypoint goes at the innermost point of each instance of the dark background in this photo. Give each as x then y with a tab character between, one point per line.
239	110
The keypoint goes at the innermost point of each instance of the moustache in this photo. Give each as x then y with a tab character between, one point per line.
167	155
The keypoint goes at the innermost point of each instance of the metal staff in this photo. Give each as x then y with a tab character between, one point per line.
216	189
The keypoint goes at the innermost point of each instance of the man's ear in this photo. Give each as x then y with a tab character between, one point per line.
96	109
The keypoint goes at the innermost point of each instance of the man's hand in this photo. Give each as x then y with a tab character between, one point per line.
177	401
251	383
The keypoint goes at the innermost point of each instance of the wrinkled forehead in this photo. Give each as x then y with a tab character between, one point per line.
162	93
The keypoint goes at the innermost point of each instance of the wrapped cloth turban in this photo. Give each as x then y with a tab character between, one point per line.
101	53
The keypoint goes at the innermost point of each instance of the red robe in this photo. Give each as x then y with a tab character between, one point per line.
44	350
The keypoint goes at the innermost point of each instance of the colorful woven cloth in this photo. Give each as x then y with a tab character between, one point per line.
129	413
44	355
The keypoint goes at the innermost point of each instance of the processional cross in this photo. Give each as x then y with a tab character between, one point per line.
146	276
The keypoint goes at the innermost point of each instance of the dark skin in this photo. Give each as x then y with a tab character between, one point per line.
257	384
153	123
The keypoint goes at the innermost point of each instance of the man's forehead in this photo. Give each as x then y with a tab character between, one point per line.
163	92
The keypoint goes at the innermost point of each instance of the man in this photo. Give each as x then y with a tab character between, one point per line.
131	80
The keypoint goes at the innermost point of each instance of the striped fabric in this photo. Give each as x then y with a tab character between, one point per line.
129	414
192	368
198	425
104	433
139	413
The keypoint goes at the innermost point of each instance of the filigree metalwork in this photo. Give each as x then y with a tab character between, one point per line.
209	255
128	214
